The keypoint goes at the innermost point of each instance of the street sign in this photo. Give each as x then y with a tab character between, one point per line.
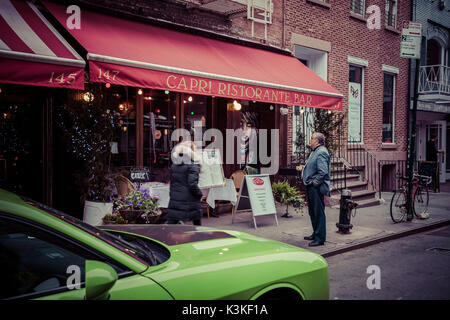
411	40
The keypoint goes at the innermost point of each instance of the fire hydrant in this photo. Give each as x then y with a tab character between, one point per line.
345	210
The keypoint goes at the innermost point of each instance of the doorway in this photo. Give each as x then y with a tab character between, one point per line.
438	129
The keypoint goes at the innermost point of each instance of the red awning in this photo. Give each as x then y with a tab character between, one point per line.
141	55
32	52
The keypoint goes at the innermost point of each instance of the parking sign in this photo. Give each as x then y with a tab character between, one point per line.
411	40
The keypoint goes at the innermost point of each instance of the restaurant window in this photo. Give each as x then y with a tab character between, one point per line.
195	114
391	13
358	7
355	103
124	99
159	123
388	108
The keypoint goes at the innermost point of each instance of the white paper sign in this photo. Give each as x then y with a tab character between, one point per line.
211	172
354	112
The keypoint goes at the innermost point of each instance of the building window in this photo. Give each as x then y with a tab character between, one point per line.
358	7
391	13
355	105
388	108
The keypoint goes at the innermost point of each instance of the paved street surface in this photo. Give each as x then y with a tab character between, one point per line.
413	267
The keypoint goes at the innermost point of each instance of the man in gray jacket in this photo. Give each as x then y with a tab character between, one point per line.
316	177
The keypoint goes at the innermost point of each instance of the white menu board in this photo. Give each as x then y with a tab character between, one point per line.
256	194
260	193
211	172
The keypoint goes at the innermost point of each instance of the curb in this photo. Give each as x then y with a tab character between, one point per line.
394	236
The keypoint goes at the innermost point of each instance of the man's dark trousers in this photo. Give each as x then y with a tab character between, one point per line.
316	210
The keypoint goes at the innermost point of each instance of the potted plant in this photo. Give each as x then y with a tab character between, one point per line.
287	194
138	206
88	128
113	218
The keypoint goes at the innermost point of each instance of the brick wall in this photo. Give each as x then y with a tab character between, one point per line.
350	36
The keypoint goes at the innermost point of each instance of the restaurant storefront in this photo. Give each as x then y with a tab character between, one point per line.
159	80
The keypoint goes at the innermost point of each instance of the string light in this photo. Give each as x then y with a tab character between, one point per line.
236	105
140	92
190	99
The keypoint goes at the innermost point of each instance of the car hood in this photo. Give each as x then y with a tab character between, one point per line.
171	234
225	263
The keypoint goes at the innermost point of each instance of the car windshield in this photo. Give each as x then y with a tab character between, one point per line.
135	249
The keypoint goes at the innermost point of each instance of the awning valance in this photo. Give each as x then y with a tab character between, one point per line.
32	52
137	54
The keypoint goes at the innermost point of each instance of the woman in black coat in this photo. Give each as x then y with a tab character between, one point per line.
185	195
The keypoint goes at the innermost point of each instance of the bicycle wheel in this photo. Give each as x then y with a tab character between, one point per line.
398	206
420	204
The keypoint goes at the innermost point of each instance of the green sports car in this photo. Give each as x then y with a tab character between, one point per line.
45	254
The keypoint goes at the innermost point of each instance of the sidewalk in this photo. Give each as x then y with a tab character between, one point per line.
371	224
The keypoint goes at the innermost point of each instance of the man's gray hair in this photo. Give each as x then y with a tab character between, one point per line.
320	138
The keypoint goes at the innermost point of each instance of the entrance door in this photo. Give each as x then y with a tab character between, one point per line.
447	150
438	129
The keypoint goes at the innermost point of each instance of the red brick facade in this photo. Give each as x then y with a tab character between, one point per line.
349	36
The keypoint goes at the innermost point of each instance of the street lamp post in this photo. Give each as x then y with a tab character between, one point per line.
410	48
412	144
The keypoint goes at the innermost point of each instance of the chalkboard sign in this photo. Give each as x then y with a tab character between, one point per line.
431	169
256	194
139	174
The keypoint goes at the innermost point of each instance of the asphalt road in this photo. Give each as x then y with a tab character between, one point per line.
408	268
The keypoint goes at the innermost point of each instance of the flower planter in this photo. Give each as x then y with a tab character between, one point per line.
132	216
95	211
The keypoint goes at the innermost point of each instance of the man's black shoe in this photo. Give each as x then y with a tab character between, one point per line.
214	215
286	215
311	237
315	244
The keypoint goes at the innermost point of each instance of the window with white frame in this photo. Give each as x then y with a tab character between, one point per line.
358	7
388	108
355	103
391	13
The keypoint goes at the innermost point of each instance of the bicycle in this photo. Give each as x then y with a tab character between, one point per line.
420	198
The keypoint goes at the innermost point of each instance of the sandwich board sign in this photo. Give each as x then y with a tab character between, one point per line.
256	194
411	40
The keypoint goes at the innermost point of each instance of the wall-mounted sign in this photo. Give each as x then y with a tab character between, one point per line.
157	134
354	112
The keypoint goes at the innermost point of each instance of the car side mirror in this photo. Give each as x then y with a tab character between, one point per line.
100	278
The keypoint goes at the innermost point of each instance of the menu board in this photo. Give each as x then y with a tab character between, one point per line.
261	196
211	172
256	194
